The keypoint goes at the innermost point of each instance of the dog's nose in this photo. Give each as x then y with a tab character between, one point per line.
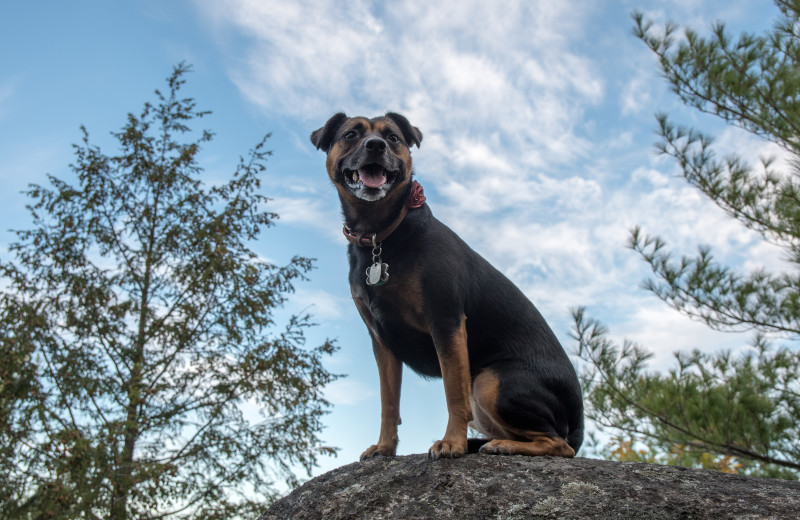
375	144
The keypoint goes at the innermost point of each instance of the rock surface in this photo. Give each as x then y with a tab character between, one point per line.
508	488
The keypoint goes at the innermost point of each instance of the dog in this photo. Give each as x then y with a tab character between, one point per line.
434	304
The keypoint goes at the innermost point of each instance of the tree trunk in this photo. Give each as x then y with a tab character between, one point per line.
124	475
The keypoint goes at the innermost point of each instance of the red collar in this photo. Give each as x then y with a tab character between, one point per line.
415	199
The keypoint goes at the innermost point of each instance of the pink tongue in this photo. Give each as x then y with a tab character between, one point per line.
372	179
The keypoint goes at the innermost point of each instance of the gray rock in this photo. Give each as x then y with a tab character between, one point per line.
507	488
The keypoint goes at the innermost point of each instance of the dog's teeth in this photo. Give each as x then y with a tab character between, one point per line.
355	177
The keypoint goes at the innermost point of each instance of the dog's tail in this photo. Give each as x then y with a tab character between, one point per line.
575	437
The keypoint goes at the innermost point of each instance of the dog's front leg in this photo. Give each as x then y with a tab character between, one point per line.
451	347
390	372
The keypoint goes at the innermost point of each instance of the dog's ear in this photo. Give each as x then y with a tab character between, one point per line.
411	134
323	137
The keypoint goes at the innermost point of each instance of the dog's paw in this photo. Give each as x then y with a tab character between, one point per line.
544	445
498	447
378	450
447	449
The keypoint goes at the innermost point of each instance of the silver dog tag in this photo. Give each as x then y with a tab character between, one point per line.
377	274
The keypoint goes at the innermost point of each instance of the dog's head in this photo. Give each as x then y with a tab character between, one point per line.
368	159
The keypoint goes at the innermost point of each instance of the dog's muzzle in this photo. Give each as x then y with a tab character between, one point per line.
371	174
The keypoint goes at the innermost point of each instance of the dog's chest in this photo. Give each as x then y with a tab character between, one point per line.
393	307
394	314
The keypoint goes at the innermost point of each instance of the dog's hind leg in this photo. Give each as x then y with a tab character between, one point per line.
539	444
526	437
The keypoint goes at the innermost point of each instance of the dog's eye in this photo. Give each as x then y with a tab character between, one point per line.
393	138
350	135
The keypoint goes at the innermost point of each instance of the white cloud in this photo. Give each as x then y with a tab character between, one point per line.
663	331
310	211
654	177
510	67
348	392
475	154
735	141
320	304
636	96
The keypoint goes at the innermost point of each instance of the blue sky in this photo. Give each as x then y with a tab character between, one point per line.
538	144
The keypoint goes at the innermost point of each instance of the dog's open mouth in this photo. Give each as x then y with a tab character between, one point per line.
372	176
369	182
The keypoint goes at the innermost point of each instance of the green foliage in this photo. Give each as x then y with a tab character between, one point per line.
135	327
722	411
751	82
737	412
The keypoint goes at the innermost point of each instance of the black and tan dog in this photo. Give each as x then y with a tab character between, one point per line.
431	302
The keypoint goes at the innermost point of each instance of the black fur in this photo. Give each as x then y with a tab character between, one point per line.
323	138
411	134
539	388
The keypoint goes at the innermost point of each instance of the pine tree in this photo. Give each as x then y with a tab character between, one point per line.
135	325
726	411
